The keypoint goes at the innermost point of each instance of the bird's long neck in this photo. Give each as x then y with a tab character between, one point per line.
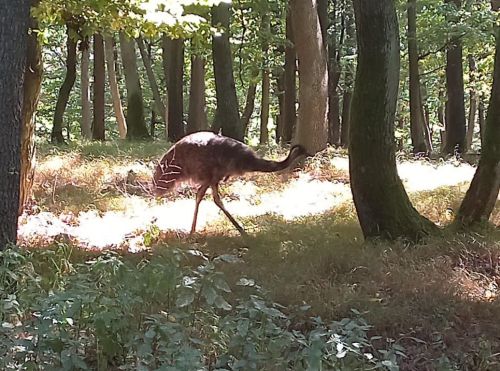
268	166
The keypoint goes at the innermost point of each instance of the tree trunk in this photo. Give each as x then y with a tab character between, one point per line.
67	85
482	121
348	81
472	103
158	101
86	124
312	126
175	52
98	132
289	118
227	117
249	106
455	110
417	121
346	117
113	86
136	125
31	93
482	195
383	207
264	108
280	88
14	19
197	116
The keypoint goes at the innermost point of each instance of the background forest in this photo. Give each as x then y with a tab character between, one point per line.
379	251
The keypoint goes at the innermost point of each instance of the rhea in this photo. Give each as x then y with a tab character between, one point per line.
205	159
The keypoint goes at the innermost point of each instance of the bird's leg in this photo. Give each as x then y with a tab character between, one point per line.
218	202
199	196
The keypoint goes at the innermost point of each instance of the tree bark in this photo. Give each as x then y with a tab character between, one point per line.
264	108
472	103
197	116
346	117
14	19
86	124
481	197
113	86
227	117
289	118
455	110
67	85
136	125
98	132
280	87
417	121
158	101
175	52
383	207
31	93
312	126
249	106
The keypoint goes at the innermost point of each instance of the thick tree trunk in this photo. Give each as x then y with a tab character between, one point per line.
14	19
472	103
312	126
98	132
455	110
31	93
197	116
67	85
158	101
249	106
383	207
482	195
175	89
417	121
86	124
113	86
227	117
289	118
136	125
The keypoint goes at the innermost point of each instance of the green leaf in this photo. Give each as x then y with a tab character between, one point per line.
185	298
221	303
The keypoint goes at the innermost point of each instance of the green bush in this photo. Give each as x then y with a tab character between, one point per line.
163	313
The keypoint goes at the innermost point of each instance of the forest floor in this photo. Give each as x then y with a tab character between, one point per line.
438	300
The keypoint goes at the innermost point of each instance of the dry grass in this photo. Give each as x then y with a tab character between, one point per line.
438	299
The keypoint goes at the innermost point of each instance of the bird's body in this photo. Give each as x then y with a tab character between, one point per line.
205	159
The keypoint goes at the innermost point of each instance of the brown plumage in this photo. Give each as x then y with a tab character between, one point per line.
205	158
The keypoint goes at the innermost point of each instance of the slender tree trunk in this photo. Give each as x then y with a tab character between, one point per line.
482	121
136	125
472	103
280	87
312	126
158	101
348	81
249	106
455	111
67	85
86	124
113	86
14	19
31	93
175	53
417	121
290	83
227	117
197	116
383	207
98	132
165	42
482	195
264	108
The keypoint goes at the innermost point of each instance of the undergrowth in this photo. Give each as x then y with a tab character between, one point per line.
168	310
